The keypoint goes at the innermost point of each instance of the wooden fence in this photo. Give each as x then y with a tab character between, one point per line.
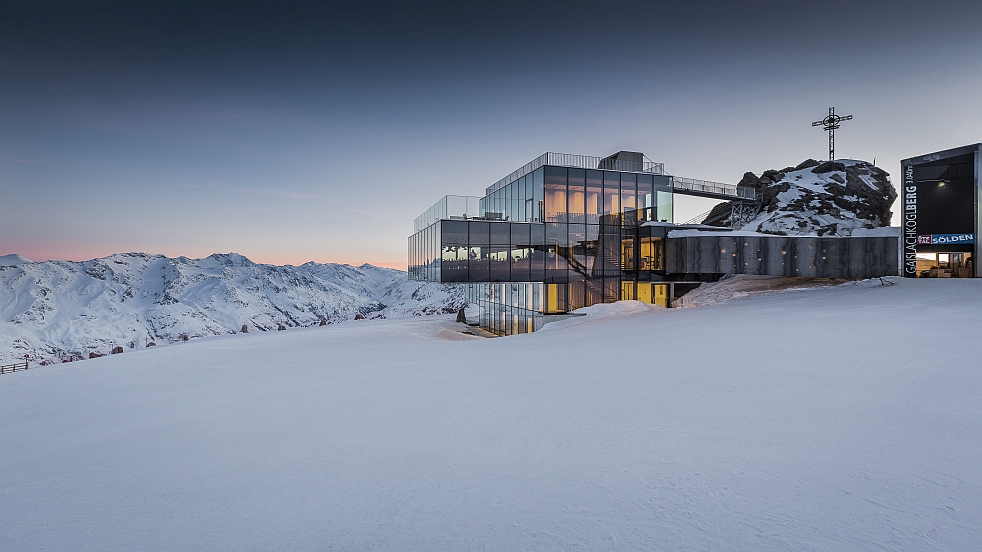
5	368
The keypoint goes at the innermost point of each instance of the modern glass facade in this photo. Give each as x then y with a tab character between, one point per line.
509	308
569	231
551	241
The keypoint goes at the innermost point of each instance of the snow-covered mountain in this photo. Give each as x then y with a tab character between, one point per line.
813	198
58	310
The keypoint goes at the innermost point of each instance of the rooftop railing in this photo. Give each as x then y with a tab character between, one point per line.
451	206
580	162
717	188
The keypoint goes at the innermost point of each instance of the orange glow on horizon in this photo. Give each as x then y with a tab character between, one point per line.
40	253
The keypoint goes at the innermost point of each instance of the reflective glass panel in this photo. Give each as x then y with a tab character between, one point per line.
629	193
646	199
538	203
555	194
612	190
594	196
500	263
500	233
575	200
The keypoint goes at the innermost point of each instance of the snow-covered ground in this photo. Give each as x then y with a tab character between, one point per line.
831	418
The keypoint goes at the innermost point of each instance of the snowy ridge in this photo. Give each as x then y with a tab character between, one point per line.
830	198
65	310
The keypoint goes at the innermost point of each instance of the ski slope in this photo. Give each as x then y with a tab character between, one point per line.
826	418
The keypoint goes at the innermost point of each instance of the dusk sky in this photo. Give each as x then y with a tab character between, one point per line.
299	131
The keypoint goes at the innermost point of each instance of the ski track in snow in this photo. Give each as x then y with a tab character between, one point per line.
841	417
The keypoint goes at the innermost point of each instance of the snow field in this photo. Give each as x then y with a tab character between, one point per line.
833	418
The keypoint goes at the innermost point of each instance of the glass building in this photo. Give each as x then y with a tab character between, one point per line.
569	231
561	233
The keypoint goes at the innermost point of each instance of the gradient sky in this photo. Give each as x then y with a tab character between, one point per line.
298	131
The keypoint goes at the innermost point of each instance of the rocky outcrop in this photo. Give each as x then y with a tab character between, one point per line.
816	198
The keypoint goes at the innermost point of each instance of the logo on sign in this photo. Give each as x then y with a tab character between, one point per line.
944	239
924	239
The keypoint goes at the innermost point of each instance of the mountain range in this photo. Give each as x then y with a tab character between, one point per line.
57	311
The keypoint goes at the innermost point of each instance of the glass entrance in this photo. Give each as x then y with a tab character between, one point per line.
945	265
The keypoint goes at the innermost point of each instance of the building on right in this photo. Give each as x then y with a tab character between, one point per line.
569	231
941	194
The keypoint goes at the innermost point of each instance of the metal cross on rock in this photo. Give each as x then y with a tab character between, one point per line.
831	123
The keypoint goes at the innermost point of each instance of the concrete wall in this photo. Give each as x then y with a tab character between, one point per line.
808	256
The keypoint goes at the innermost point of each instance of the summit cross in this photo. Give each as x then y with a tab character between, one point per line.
830	123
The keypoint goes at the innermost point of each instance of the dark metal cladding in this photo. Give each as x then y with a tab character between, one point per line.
805	256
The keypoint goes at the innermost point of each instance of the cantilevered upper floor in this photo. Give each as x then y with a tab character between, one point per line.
565	214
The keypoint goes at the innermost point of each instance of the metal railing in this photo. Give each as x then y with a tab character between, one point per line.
580	162
450	206
717	188
698	219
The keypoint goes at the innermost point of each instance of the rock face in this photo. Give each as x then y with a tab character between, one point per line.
813	198
64	309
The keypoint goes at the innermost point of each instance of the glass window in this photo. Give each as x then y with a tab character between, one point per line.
594	196
512	206
538	203
646	200
479	237
664	199
594	291
591	246
612	191
555	194
577	295
627	252
506	200
521	235
477	263
609	256
521	252
555	298
652	254
454	232
575	197
479	232
578	251
538	239
556	252
629	192
500	263
500	233
612	290
527	198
